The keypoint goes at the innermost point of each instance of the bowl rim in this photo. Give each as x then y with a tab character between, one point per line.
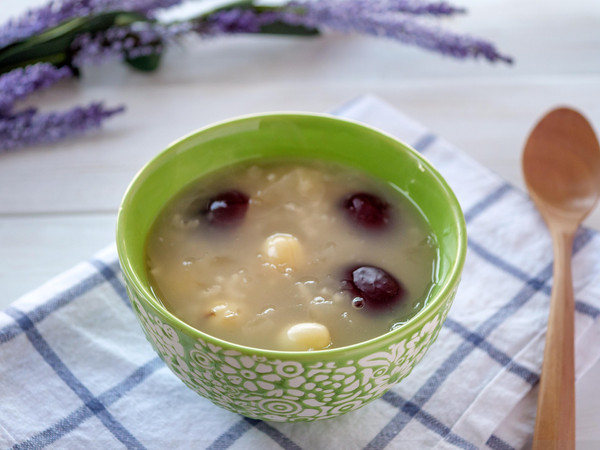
414	323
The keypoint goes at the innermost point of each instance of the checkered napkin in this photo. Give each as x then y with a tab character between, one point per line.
77	372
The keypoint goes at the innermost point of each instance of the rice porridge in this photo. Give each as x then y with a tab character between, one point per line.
292	255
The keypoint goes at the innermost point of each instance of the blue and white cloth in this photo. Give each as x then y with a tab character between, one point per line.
77	372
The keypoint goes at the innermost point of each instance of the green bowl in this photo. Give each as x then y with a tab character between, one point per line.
276	385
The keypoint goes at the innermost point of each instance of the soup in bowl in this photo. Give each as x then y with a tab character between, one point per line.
290	267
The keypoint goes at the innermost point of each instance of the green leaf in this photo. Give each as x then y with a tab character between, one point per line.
147	63
286	29
234	4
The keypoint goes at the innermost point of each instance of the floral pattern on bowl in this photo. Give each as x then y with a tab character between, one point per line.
286	390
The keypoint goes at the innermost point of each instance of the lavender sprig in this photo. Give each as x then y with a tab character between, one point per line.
19	83
420	8
414	7
236	20
348	16
36	20
27	127
31	127
393	19
126	42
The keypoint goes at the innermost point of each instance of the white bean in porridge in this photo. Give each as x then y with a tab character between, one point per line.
292	256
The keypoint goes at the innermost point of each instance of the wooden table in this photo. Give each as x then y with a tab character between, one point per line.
58	203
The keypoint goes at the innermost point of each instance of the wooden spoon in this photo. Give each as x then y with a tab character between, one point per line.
561	165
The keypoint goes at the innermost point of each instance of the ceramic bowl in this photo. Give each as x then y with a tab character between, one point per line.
276	385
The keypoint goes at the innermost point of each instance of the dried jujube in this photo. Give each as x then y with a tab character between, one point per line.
372	287
227	208
367	210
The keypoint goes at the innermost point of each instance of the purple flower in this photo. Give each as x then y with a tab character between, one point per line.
55	12
31	127
248	20
138	39
415	7
422	8
354	16
236	20
19	83
27	127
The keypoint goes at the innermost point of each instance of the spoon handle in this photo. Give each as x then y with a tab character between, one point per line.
555	421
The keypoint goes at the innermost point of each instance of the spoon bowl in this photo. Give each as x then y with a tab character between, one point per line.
561	167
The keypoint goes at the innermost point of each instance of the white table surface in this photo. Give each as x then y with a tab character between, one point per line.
58	203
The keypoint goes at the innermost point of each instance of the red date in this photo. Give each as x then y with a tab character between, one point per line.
372	287
227	209
367	210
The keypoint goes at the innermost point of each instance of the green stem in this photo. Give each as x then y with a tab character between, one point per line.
54	44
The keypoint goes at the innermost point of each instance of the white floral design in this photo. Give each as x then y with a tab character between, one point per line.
285	391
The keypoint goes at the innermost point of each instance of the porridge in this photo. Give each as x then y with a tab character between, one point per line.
292	255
